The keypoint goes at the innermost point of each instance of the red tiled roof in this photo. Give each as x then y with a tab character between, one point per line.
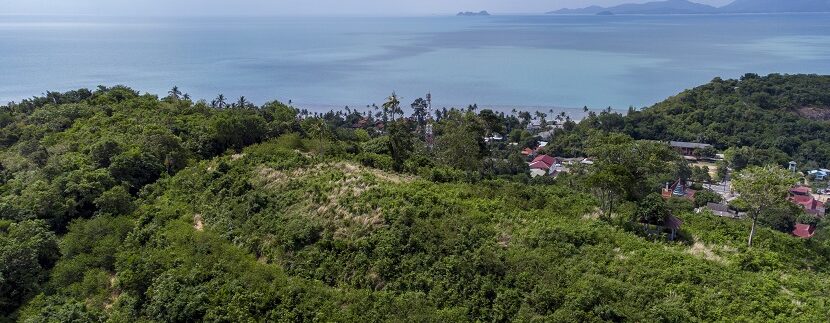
801	190
545	159
527	151
808	202
539	165
804	231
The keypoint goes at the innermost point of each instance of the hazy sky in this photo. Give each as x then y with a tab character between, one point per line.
294	7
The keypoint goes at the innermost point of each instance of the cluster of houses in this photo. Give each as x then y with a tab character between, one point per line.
544	165
800	195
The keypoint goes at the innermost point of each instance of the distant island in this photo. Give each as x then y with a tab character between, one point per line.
689	7
473	14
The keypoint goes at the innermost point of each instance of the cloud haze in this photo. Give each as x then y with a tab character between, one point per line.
292	7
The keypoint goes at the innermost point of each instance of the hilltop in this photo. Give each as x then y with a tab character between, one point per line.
658	7
689	7
785	117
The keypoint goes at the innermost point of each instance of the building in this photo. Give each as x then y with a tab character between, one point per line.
721	210
803	196
804	231
671	224
546	135
535	124
494	137
819	174
687	148
543	165
678	189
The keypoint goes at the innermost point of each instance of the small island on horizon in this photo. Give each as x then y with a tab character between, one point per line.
473	14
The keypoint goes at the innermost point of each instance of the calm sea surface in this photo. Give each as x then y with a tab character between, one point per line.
502	61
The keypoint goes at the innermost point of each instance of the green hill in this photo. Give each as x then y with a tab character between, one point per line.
125	207
784	116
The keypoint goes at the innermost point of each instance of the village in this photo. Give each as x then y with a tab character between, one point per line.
811	193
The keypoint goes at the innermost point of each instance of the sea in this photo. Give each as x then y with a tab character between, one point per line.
528	62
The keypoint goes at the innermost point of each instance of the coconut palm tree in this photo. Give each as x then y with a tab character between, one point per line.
174	93
242	102
220	102
392	105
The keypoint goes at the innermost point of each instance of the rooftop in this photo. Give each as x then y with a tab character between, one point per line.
692	145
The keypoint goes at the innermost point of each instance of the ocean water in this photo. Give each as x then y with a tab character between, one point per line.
505	62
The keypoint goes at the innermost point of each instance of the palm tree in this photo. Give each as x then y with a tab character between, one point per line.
220	102
392	105
186	96
174	93
242	103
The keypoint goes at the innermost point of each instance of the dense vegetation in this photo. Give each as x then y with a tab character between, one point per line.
118	206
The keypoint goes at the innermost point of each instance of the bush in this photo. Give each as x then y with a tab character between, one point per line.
378	161
704	197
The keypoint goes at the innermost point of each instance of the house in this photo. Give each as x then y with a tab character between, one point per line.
528	152
494	137
803	196
820	174
721	210
804	231
546	135
810	205
535	124
671	224
361	123
678	189
687	148
543	165
543	144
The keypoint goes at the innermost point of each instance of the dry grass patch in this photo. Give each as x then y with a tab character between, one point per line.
701	250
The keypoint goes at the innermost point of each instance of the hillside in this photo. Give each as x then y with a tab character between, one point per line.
657	7
689	7
784	116
766	6
121	206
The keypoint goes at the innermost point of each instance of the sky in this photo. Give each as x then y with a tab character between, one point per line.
292	7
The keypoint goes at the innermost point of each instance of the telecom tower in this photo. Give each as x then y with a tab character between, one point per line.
429	136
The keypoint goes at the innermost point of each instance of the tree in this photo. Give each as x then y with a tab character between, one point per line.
458	145
27	250
392	106
317	128
174	93
400	142
242	103
419	108
704	197
762	188
652	210
220	102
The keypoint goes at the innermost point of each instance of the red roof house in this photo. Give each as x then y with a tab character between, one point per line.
539	165
801	190
550	161
527	152
804	231
803	197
